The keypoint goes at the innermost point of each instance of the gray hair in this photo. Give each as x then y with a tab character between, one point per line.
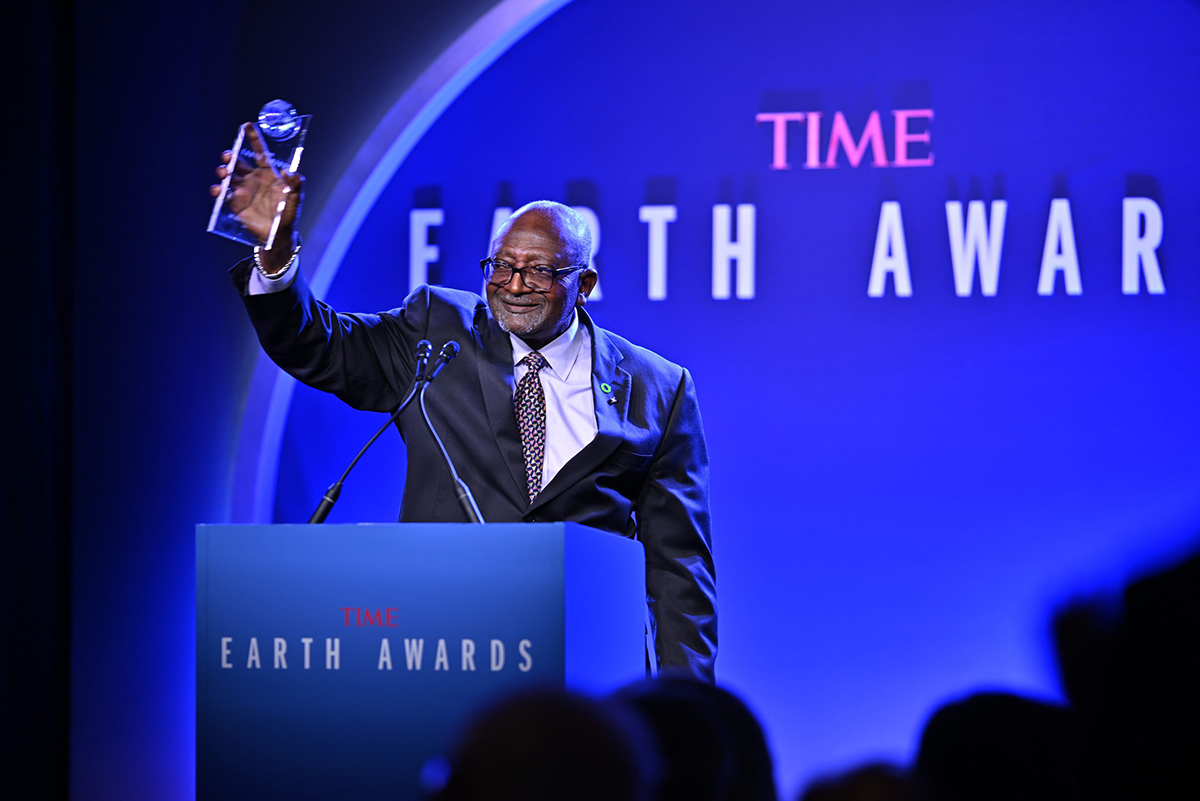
573	229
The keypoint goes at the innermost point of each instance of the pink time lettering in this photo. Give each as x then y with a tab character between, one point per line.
911	143
358	616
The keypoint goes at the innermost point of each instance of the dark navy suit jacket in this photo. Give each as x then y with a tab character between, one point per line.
645	475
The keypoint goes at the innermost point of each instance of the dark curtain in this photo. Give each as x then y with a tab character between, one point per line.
36	558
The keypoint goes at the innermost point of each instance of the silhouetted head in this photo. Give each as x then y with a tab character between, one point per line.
1130	667
877	781
999	746
711	744
551	745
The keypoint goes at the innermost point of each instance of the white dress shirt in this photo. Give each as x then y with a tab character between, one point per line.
566	380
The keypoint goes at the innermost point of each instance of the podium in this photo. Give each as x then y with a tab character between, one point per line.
335	661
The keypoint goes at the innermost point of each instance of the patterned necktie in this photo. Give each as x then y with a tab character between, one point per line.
530	402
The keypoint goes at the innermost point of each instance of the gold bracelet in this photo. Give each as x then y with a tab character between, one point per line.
274	276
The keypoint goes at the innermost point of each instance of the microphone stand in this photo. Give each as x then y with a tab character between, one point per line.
462	492
424	377
424	349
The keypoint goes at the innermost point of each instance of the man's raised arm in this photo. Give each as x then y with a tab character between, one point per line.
365	359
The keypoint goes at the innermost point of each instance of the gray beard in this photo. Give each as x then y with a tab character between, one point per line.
519	324
522	325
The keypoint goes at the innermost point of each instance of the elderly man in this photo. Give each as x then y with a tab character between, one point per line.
546	415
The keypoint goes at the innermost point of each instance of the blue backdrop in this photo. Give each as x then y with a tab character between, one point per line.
906	476
903	484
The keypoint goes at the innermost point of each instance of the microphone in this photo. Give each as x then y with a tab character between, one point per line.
462	492
444	357
423	351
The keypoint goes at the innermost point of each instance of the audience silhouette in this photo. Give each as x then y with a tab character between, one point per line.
1132	670
552	745
876	781
998	747
1129	668
712	746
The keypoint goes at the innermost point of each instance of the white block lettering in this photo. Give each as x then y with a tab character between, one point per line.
1141	234
524	647
414	650
441	660
333	653
657	217
891	254
1059	253
307	642
252	661
385	654
421	253
726	251
980	242
468	655
497	655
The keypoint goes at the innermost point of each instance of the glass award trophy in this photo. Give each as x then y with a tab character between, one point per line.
261	150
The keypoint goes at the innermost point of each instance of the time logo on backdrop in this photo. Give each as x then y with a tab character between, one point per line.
975	239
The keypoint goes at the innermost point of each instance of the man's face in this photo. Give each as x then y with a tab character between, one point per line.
537	317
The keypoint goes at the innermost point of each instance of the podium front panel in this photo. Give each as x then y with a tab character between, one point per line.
333	661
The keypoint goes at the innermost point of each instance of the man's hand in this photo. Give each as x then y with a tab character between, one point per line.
257	192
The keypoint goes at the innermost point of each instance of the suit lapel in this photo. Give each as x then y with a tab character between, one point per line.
496	383
611	410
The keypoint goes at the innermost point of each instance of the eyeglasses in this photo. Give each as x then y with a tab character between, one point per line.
538	277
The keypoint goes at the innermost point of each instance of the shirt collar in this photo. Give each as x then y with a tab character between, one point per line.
560	355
